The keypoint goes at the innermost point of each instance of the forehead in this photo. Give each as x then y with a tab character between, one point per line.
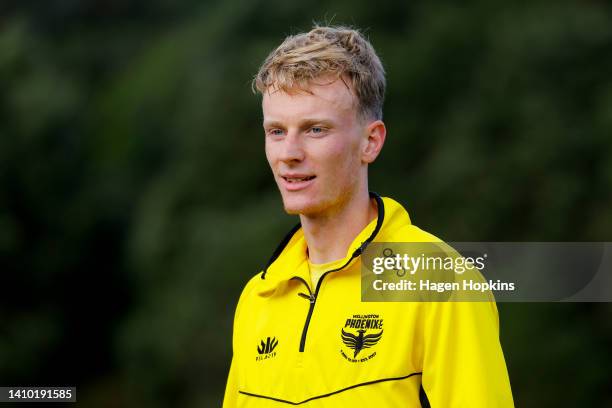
324	96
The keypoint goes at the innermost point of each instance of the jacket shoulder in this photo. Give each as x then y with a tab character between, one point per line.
412	233
247	290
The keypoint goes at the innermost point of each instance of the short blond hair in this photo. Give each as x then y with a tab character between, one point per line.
339	51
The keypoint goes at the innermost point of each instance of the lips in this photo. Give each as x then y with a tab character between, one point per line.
295	182
297	179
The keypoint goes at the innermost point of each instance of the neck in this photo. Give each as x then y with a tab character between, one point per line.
329	236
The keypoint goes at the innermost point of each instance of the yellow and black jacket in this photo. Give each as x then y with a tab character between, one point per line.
324	347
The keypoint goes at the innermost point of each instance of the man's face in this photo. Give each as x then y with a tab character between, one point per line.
314	141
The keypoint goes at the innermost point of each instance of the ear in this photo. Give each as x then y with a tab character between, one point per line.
375	134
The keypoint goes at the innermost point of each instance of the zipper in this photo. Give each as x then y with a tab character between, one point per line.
312	297
309	297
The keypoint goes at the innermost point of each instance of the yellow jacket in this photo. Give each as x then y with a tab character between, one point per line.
323	347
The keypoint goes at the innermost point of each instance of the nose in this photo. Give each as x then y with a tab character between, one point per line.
292	149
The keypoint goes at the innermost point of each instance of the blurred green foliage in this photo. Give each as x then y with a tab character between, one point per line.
135	199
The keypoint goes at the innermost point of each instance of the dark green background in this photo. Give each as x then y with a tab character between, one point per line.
135	199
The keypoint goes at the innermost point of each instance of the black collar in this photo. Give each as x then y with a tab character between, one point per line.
381	217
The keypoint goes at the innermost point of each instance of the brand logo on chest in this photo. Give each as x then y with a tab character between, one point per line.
266	349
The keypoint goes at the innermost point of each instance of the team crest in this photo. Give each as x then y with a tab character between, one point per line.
359	333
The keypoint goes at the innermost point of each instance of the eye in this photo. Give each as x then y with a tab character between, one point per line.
275	132
317	130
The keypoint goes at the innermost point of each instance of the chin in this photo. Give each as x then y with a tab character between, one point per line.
293	209
297	206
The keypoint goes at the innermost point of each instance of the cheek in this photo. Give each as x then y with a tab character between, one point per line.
343	158
270	154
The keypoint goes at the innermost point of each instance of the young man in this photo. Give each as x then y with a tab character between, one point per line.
302	335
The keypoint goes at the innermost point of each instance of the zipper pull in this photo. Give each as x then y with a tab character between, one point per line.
311	297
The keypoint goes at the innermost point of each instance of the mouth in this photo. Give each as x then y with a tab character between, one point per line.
296	182
297	179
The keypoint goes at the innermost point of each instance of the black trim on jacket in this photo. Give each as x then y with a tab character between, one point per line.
381	216
423	398
329	394
280	247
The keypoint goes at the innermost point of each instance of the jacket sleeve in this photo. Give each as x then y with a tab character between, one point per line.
231	388
230	399
463	363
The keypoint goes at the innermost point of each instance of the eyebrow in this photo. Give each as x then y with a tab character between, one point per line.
304	123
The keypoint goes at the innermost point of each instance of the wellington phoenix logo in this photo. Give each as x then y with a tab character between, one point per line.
368	333
266	349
